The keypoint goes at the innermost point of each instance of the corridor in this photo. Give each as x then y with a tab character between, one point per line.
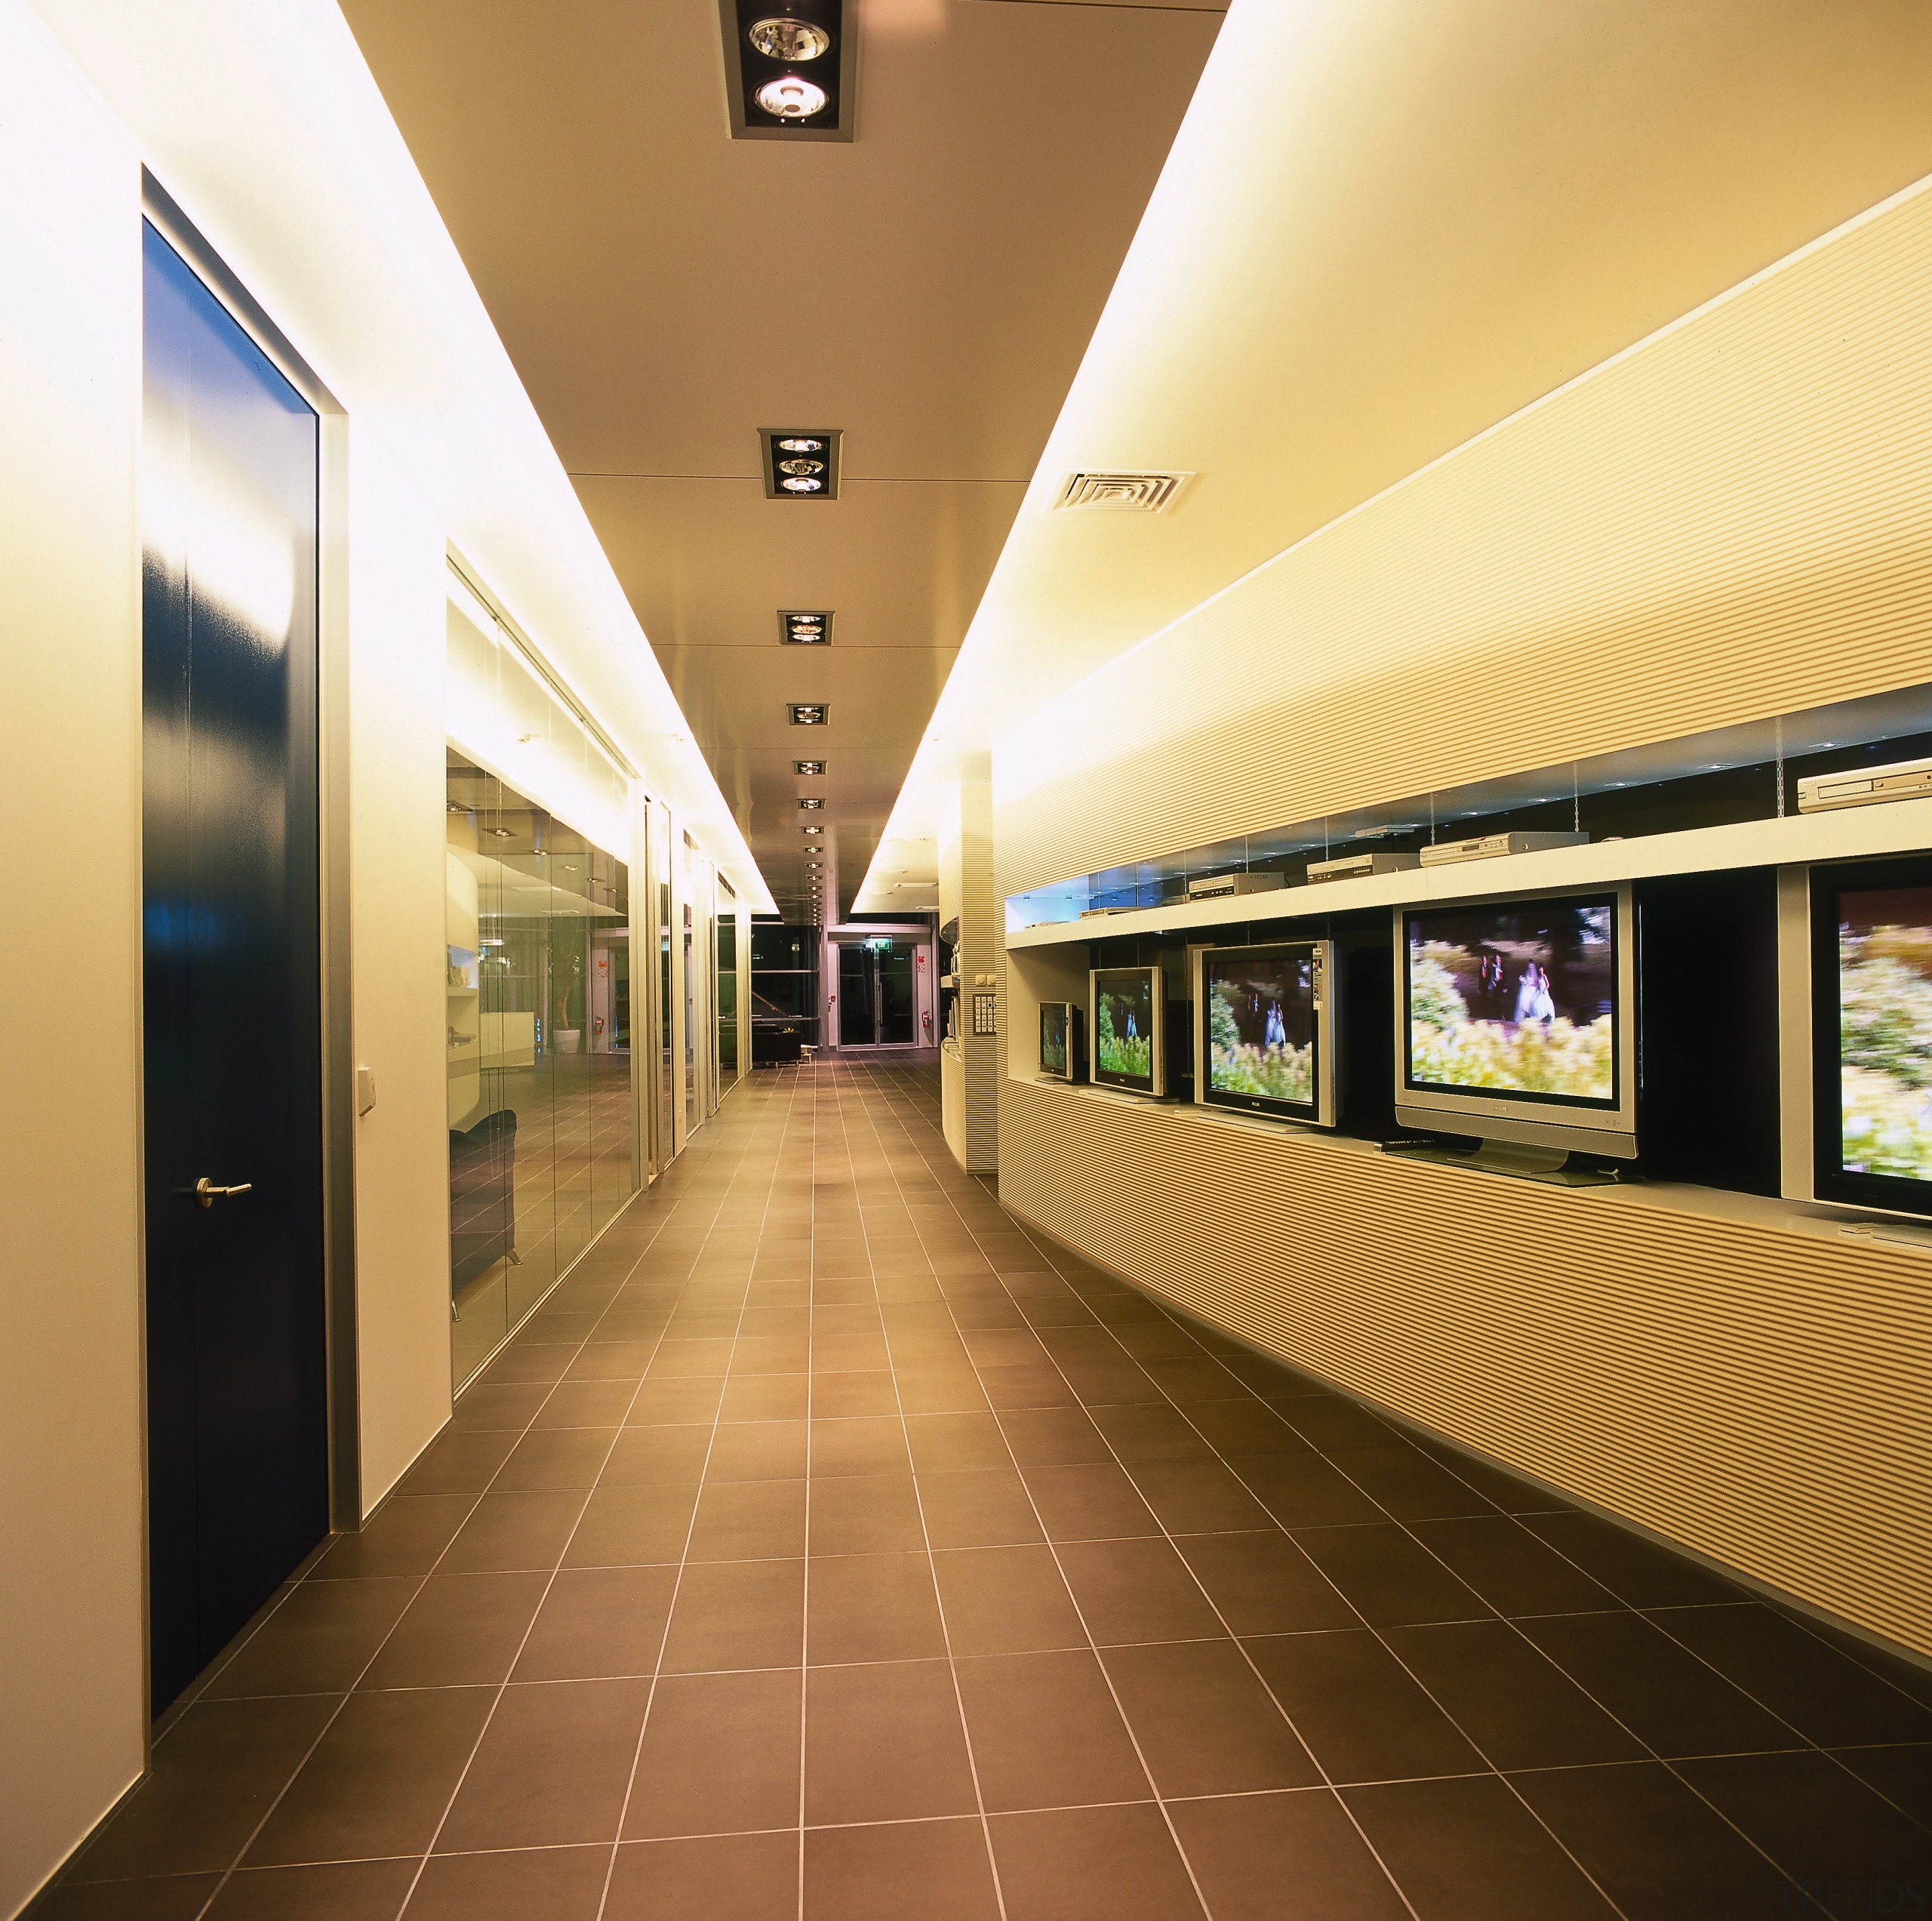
827	1547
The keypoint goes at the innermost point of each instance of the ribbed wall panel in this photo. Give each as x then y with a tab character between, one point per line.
1759	1395
1733	520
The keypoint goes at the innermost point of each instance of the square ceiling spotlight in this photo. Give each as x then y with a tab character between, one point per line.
808	767
812	801
814	830
799	627
808	713
791	68
799	464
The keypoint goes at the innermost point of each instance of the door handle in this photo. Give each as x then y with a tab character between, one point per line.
207	1193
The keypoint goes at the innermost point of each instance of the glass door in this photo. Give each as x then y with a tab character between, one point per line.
878	995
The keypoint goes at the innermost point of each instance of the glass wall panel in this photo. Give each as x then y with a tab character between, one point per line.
728	991
540	1101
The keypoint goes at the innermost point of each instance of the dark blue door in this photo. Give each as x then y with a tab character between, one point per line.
237	1366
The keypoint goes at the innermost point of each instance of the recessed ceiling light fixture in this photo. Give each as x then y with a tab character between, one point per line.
814	802
808	713
790	68
814	830
800	463
808	767
800	626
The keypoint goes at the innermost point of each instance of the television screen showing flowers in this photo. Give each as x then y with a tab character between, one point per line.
1125	1008
1884	1021
1516	1001
1261	1028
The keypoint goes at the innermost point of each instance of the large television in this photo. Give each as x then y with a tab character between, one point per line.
1060	1052
1872	1033
1515	1020
1126	1029
1264	1029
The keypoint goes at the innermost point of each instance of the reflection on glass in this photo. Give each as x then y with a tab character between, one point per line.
728	995
538	999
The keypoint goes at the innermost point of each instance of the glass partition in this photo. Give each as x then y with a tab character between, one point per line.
539	1006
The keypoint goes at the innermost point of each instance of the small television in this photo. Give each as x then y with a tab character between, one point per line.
1515	1021
1127	1024
1264	1029
1872	1033
1059	1041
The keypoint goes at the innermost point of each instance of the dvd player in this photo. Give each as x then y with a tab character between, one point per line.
1359	867
1864	787
1211	887
1488	847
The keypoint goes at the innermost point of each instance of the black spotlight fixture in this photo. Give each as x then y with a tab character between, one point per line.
790	68
813	801
808	767
800	463
799	626
808	713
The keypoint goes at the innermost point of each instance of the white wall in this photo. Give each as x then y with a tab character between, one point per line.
72	1684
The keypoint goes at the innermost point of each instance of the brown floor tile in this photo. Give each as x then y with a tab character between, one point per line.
318	1641
679	1360
990	1508
872	1607
1639	1573
737	1614
836	1396
514	1532
461	1631
551	1769
335	1890
1262	1583
1089	1500
1411	1486
758	1451
771	1353
380	1779
1016	1389
1046	1732
215	1774
612	1360
739	1877
1004	1346
1902	1775
1204	1723
941	1391
863	1445
1388	1578
625	1527
1006	1600
938	1870
407	1536
1304	1490
557	1884
586	1404
1151	1433
1136	1590
1512	1570
1198	1496
459	1463
179	1897
683	1403
657	1456
866	1514
767	1397
1092	1864
1335	1425
1517	1708
849	1353
522	1361
597	1623
510	1407
884	1743
1463	1849
721	1754
1246	1849
1053	1437
956	1443
749	1521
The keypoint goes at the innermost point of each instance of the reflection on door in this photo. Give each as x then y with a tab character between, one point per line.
237	1376
878	1003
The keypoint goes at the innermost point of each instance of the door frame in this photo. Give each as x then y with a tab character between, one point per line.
923	937
335	960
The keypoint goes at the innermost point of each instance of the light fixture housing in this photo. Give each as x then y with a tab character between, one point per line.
781	449
808	767
791	68
804	626
808	713
814	830
812	801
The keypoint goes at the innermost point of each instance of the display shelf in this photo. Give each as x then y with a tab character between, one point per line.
1900	827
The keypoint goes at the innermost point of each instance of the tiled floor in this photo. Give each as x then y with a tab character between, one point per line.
826	1548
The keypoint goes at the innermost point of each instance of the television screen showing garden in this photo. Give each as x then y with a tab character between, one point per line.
1885	1032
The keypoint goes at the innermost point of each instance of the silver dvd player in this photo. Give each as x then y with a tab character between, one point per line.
1864	787
1489	847
1359	867
1210	887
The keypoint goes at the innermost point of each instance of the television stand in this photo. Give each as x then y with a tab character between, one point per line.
1518	1160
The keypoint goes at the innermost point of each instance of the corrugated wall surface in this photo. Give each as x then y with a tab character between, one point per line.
1758	1395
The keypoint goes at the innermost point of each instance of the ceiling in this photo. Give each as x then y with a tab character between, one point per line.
1385	227
664	292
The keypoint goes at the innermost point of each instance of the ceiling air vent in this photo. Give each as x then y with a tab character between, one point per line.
1119	493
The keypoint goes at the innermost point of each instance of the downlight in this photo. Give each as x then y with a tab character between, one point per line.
786	39
799	464
791	97
813	801
802	626
808	713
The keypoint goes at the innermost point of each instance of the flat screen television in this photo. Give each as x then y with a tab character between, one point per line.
1059	1041
1515	1020
1264	1029
1126	1029
1872	1033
